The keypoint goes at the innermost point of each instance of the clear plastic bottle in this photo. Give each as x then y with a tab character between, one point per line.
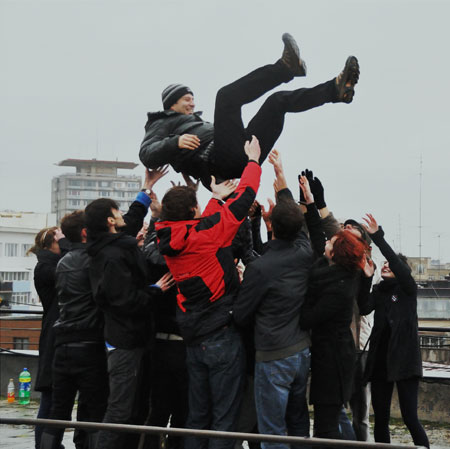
24	387
11	394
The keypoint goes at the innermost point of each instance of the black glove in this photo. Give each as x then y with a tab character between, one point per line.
316	189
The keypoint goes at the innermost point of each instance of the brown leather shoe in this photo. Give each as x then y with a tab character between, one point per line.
291	56
347	79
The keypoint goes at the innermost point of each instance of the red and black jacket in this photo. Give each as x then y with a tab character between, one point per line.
198	254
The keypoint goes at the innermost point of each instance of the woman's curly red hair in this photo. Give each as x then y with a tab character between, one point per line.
349	251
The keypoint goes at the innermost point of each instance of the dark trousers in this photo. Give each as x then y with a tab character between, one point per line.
326	421
216	368
229	132
169	396
129	392
78	367
360	400
43	413
407	397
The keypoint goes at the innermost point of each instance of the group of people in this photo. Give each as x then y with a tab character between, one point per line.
163	324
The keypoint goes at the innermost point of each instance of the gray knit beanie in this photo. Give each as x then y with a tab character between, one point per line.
171	94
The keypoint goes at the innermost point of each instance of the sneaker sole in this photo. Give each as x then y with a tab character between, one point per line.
290	42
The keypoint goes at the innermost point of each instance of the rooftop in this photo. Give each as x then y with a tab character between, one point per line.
96	163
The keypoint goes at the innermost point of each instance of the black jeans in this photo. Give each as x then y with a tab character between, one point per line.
129	393
407	397
229	158
169	396
79	367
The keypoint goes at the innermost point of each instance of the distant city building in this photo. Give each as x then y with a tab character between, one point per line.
426	269
17	233
93	179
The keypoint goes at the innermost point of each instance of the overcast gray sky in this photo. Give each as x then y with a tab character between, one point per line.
78	77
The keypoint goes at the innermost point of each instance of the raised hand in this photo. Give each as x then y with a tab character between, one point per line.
188	141
305	189
190	183
222	190
316	188
275	160
369	268
267	213
252	149
155	205
370	225
153	176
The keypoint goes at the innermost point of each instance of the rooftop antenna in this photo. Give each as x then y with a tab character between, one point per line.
399	235
96	142
420	219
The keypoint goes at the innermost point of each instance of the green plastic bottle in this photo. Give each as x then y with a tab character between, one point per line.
24	387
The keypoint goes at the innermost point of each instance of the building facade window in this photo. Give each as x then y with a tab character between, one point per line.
90	183
11	249
74	202
24	249
75	183
21	298
133	185
104	183
21	342
104	193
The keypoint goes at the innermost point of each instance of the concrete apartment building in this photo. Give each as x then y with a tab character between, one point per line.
93	179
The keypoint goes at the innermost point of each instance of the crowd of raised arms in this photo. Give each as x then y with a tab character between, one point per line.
193	321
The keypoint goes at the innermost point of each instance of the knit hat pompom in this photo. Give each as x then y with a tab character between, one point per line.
171	94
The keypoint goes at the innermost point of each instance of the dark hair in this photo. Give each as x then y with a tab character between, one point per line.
404	259
287	220
97	213
72	224
43	240
178	204
349	251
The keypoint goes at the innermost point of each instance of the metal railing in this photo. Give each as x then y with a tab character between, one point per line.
129	428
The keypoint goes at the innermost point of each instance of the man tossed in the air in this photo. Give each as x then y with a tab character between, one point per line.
178	136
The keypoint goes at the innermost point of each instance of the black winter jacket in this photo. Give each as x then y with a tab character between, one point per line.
327	311
160	144
273	291
395	305
44	281
80	319
119	282
120	286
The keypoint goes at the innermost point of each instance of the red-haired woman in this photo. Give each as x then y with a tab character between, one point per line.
48	252
327	311
394	354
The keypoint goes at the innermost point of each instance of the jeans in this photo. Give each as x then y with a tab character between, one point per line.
360	400
230	134
79	367
280	395
216	368
345	426
129	393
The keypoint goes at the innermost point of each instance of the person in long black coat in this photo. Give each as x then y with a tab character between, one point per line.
327	311
394	354
48	253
